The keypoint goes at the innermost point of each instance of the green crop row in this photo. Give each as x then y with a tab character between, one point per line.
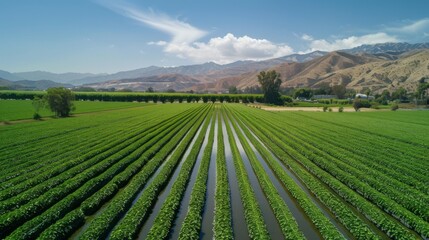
39	223
164	220
119	205
95	164
68	150
71	145
58	174
284	217
252	212
370	160
300	154
222	223
325	227
88	178
346	161
394	154
107	191
95	201
334	167
191	225
354	224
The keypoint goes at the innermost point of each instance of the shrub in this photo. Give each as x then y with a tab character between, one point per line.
341	109
394	107
37	116
325	108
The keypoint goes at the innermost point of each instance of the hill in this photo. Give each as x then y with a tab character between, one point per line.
31	85
159	82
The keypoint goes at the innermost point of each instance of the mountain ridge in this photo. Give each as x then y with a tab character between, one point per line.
298	70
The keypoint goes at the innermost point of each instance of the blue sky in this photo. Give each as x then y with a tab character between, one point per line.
106	36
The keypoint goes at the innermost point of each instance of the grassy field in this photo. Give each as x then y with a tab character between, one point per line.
23	109
224	171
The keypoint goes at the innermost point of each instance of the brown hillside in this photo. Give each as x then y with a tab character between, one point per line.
355	71
309	73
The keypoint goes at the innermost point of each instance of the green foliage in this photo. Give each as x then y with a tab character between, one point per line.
150	90
305	93
38	103
60	101
99	170
168	211
339	91
341	109
222	225
37	116
252	212
191	226
394	107
359	103
270	82
325	108
284	216
233	90
400	94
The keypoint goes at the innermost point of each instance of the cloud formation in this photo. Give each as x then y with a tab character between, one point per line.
348	42
184	40
229	49
181	32
411	28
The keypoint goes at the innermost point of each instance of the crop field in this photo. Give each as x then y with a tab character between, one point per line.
212	170
11	110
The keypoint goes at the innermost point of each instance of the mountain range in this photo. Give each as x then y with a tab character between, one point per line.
378	67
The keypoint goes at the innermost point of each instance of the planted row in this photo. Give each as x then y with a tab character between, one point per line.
101	225
191	225
252	212
222	223
284	217
165	218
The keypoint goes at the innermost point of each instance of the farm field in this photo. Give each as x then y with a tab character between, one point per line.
223	171
23	109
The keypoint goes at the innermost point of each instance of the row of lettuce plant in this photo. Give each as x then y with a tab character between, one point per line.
73	191
252	212
222	222
121	203
283	215
94	202
165	218
346	216
299	154
334	167
191	225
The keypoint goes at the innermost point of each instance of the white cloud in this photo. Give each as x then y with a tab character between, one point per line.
181	32
410	28
158	43
229	49
350	42
306	37
184	40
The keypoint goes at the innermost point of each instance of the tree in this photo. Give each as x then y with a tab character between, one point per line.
270	82
359	103
150	89
60	101
400	94
339	91
233	90
303	93
38	103
422	89
324	89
